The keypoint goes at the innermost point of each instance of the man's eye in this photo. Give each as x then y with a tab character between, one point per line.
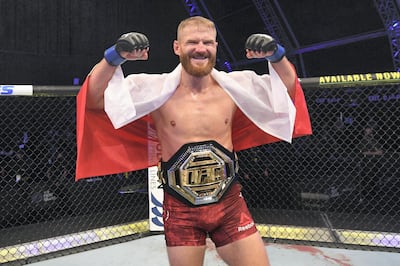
208	43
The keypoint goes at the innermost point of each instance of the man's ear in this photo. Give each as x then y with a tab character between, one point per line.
176	47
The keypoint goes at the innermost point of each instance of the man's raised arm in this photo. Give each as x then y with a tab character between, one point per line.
264	46
130	46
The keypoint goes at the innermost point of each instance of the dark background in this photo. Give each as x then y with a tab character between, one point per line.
47	42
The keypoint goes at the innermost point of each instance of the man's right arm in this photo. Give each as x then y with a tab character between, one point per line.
130	46
99	78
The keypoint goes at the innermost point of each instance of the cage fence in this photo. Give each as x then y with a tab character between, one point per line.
339	186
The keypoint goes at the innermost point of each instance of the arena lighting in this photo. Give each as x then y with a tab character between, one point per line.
339	42
192	7
382	239
395	25
45	246
362	238
269	231
394	28
75	81
387	240
228	66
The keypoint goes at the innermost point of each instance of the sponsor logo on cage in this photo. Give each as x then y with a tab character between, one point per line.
360	77
6	90
157	211
156	195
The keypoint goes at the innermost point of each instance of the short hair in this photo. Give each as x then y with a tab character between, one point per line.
196	21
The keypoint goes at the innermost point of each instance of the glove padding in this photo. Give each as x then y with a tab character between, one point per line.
128	42
132	41
264	43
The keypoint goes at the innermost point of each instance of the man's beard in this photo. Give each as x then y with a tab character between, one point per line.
195	70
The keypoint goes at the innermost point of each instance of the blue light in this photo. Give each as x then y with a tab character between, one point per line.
395	25
228	66
192	7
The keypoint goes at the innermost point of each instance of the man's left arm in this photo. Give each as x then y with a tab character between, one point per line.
264	46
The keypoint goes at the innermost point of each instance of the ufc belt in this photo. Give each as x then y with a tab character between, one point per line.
199	173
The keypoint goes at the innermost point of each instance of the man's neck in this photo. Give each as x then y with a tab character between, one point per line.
196	83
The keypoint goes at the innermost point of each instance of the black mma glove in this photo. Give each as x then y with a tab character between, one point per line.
265	43
127	43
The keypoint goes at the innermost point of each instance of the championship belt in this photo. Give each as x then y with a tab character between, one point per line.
199	173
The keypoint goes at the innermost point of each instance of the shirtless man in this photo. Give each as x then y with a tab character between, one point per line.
199	110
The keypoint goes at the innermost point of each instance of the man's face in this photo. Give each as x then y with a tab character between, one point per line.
196	48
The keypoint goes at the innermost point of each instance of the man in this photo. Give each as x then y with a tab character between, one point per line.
193	110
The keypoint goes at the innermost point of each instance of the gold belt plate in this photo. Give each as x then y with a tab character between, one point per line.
202	174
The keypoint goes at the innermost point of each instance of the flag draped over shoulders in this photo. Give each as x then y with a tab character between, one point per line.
103	148
245	134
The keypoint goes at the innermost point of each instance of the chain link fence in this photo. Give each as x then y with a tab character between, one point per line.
338	187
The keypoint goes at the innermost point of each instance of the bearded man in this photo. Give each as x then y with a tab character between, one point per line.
201	117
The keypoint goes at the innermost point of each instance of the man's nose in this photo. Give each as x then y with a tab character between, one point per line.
201	46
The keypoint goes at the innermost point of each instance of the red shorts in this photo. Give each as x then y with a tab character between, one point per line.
224	222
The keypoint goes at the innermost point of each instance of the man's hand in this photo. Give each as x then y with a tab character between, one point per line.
263	45
130	46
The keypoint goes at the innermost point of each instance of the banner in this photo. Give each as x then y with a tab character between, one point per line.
156	196
16	90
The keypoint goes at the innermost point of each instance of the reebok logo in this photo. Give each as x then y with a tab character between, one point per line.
247	221
245	227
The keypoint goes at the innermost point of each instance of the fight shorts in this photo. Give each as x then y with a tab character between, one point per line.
224	222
